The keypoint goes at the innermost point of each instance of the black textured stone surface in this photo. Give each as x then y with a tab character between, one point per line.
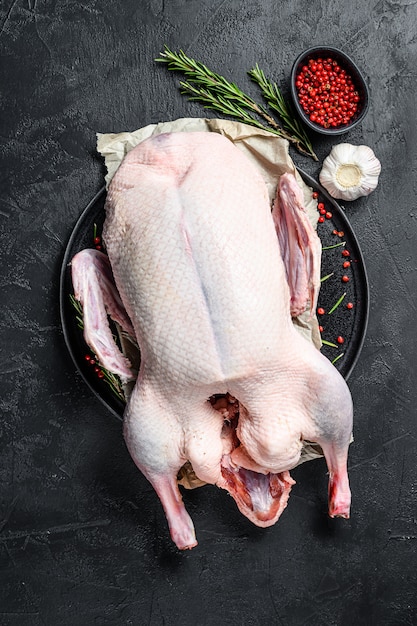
83	539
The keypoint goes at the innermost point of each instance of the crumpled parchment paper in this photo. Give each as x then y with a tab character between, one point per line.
268	153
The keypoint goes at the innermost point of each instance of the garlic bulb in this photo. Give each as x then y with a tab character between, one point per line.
350	171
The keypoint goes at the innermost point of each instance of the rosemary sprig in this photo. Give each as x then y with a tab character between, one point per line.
276	102
114	383
217	93
79	310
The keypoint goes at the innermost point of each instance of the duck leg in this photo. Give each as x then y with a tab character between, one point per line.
330	425
339	490
155	440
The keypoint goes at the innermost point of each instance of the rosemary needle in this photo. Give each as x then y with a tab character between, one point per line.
328	343
340	300
336	245
326	277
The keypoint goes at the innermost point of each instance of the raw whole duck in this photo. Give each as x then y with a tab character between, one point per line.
197	258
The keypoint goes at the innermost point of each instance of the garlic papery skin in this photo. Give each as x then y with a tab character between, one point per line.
350	172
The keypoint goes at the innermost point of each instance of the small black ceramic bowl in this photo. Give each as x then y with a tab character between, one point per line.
351	69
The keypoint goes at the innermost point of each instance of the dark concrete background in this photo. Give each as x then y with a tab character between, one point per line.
83	539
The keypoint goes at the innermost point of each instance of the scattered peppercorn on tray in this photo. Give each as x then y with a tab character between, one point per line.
342	309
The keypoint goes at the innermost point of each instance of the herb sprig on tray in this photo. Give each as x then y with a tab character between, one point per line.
218	94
